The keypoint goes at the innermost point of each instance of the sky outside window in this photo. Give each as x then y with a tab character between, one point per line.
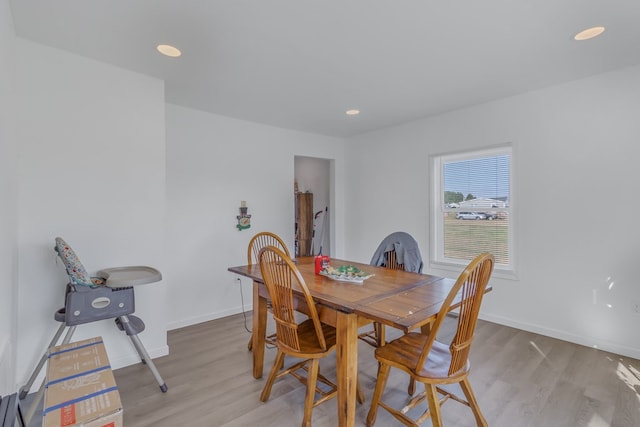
486	177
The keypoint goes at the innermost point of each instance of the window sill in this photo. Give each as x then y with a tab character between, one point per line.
498	272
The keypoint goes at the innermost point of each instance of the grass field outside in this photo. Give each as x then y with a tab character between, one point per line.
465	239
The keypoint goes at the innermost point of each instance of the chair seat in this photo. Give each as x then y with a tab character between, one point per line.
405	351
309	345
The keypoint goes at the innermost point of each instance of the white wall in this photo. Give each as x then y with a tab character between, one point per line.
92	170
8	204
573	144
213	163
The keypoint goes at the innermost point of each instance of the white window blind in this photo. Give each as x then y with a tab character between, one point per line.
472	206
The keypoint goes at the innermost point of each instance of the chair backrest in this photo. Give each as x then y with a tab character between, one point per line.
280	276
391	260
262	240
77	273
398	251
467	292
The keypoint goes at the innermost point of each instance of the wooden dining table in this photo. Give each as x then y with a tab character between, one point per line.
396	298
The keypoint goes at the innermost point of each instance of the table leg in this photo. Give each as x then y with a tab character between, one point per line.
259	330
347	367
426	328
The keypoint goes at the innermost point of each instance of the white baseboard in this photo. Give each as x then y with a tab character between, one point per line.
132	358
207	317
565	336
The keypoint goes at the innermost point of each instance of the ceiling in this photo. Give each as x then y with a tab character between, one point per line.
300	64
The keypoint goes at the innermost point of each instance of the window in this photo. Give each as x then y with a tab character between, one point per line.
472	207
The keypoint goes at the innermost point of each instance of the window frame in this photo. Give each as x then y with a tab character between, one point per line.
437	260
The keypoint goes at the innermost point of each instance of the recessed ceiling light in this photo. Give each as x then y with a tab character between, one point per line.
169	50
352	112
589	33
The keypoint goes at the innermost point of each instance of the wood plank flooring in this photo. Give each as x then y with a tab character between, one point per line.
520	379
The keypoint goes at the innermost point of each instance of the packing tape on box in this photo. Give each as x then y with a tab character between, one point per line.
80	374
78	399
91	344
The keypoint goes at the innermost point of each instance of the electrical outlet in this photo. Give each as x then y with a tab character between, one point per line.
635	307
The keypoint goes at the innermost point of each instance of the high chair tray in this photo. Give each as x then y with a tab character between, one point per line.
120	277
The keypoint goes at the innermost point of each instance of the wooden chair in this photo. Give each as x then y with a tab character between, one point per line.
433	363
310	340
376	336
392	261
386	256
257	242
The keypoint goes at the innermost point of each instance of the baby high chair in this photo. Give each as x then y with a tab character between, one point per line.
89	299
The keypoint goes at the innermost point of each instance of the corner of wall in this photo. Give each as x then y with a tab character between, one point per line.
7	380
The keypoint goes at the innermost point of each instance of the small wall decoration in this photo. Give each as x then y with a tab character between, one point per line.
244	219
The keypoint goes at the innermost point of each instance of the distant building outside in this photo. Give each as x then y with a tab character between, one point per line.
483	203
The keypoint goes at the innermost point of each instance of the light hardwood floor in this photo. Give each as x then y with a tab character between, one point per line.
520	379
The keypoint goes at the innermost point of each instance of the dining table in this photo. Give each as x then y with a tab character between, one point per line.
397	298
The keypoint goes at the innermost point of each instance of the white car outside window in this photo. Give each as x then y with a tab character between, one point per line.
470	215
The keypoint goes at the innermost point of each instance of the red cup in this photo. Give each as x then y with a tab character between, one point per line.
322	262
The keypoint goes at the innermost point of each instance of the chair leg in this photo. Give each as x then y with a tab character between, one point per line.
380	334
359	393
312	377
412	386
24	390
250	343
146	359
381	382
277	365
36	403
434	404
473	403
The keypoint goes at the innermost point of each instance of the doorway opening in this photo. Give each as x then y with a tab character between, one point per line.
312	186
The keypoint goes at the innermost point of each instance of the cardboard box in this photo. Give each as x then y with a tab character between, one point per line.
81	389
